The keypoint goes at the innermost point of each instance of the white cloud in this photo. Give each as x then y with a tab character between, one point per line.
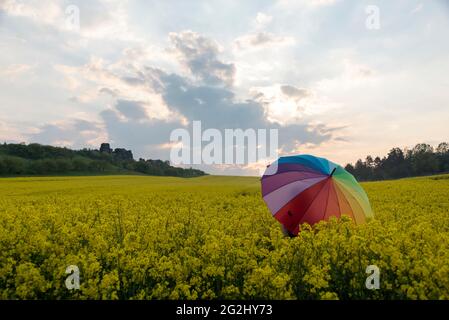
10	133
41	11
106	19
417	9
99	19
118	80
262	20
15	70
306	3
353	74
287	104
261	40
199	55
71	132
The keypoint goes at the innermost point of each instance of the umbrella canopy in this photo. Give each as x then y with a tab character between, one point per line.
305	188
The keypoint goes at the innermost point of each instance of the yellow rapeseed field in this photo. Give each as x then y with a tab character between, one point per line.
136	237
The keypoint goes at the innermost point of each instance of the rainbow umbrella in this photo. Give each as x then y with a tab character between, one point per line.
307	189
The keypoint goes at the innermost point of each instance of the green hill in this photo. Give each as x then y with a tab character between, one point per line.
36	159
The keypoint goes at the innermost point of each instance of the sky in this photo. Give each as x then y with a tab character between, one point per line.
338	79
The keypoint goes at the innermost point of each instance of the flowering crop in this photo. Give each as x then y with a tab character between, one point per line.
136	237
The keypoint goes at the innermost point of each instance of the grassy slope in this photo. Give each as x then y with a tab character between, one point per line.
116	183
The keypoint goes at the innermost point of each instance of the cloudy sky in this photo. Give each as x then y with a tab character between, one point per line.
332	81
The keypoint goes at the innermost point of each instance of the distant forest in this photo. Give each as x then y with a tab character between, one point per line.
422	160
36	159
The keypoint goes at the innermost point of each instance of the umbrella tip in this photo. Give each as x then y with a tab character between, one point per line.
332	173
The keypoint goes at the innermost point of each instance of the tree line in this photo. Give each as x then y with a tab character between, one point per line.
36	159
421	160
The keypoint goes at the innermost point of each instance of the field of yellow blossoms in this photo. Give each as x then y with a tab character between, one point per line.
136	237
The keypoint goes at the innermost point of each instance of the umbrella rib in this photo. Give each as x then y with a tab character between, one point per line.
265	178
294	182
305	190
327	200
332	185
341	197
311	164
355	201
362	201
294	170
336	195
310	204
317	160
